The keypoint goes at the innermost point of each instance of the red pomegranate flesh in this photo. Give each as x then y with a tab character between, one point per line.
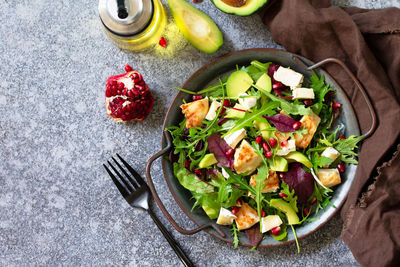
128	98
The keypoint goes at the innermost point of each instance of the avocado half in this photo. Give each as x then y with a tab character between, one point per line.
239	7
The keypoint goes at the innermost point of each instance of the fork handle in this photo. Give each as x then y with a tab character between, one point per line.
178	250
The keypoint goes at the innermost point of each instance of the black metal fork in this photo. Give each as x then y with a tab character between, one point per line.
136	192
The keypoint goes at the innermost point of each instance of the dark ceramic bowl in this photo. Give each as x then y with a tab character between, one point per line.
208	75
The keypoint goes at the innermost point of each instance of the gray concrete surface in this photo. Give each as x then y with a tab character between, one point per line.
57	205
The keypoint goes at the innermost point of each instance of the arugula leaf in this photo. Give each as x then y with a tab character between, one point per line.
319	161
206	199
346	148
260	177
290	196
320	90
261	66
247	120
235	235
289	108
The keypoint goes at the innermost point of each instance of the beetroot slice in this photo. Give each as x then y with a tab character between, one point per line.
299	180
282	122
219	147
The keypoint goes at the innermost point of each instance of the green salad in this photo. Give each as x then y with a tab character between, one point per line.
258	151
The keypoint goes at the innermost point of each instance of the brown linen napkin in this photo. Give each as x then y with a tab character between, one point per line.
368	41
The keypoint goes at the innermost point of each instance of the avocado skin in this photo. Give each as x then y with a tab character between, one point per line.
245	10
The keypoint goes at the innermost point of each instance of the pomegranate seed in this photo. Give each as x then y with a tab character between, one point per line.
277	85
223	110
336	105
226	103
266	146
272	142
198	172
114	82
230	152
341	167
258	139
187	163
276	230
235	210
128	68
282	195
108	93
196	97
221	121
268	154
162	42
296	125
313	200
341	137
195	1
306	211
308	102
262	213
139	87
121	86
281	175
284	143
239	202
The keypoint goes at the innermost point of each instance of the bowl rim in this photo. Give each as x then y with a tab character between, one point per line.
195	74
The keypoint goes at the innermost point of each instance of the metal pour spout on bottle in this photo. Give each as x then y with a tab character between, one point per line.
133	24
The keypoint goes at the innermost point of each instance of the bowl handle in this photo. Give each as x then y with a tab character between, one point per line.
157	198
356	81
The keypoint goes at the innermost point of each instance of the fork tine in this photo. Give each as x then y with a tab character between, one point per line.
129	187
121	189
126	174
139	179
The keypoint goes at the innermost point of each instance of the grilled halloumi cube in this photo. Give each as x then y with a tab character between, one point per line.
246	158
329	177
288	77
303	93
234	138
246	217
271	183
331	153
225	217
284	150
310	122
212	111
195	112
270	222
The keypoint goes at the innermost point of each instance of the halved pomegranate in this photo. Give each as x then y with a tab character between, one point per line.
128	97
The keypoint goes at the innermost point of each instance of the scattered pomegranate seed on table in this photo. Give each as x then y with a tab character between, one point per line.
162	42
282	195
276	230
128	68
272	142
341	167
296	125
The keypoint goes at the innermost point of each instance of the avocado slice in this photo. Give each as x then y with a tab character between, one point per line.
299	157
212	213
235	114
279	164
264	83
197	27
238	82
207	160
285	207
239	7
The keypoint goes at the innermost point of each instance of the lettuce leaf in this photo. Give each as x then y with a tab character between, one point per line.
219	147
190	181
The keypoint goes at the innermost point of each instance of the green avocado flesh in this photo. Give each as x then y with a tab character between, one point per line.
262	126
212	213
239	7
283	206
236	114
279	164
197	27
238	82
207	160
299	157
264	83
